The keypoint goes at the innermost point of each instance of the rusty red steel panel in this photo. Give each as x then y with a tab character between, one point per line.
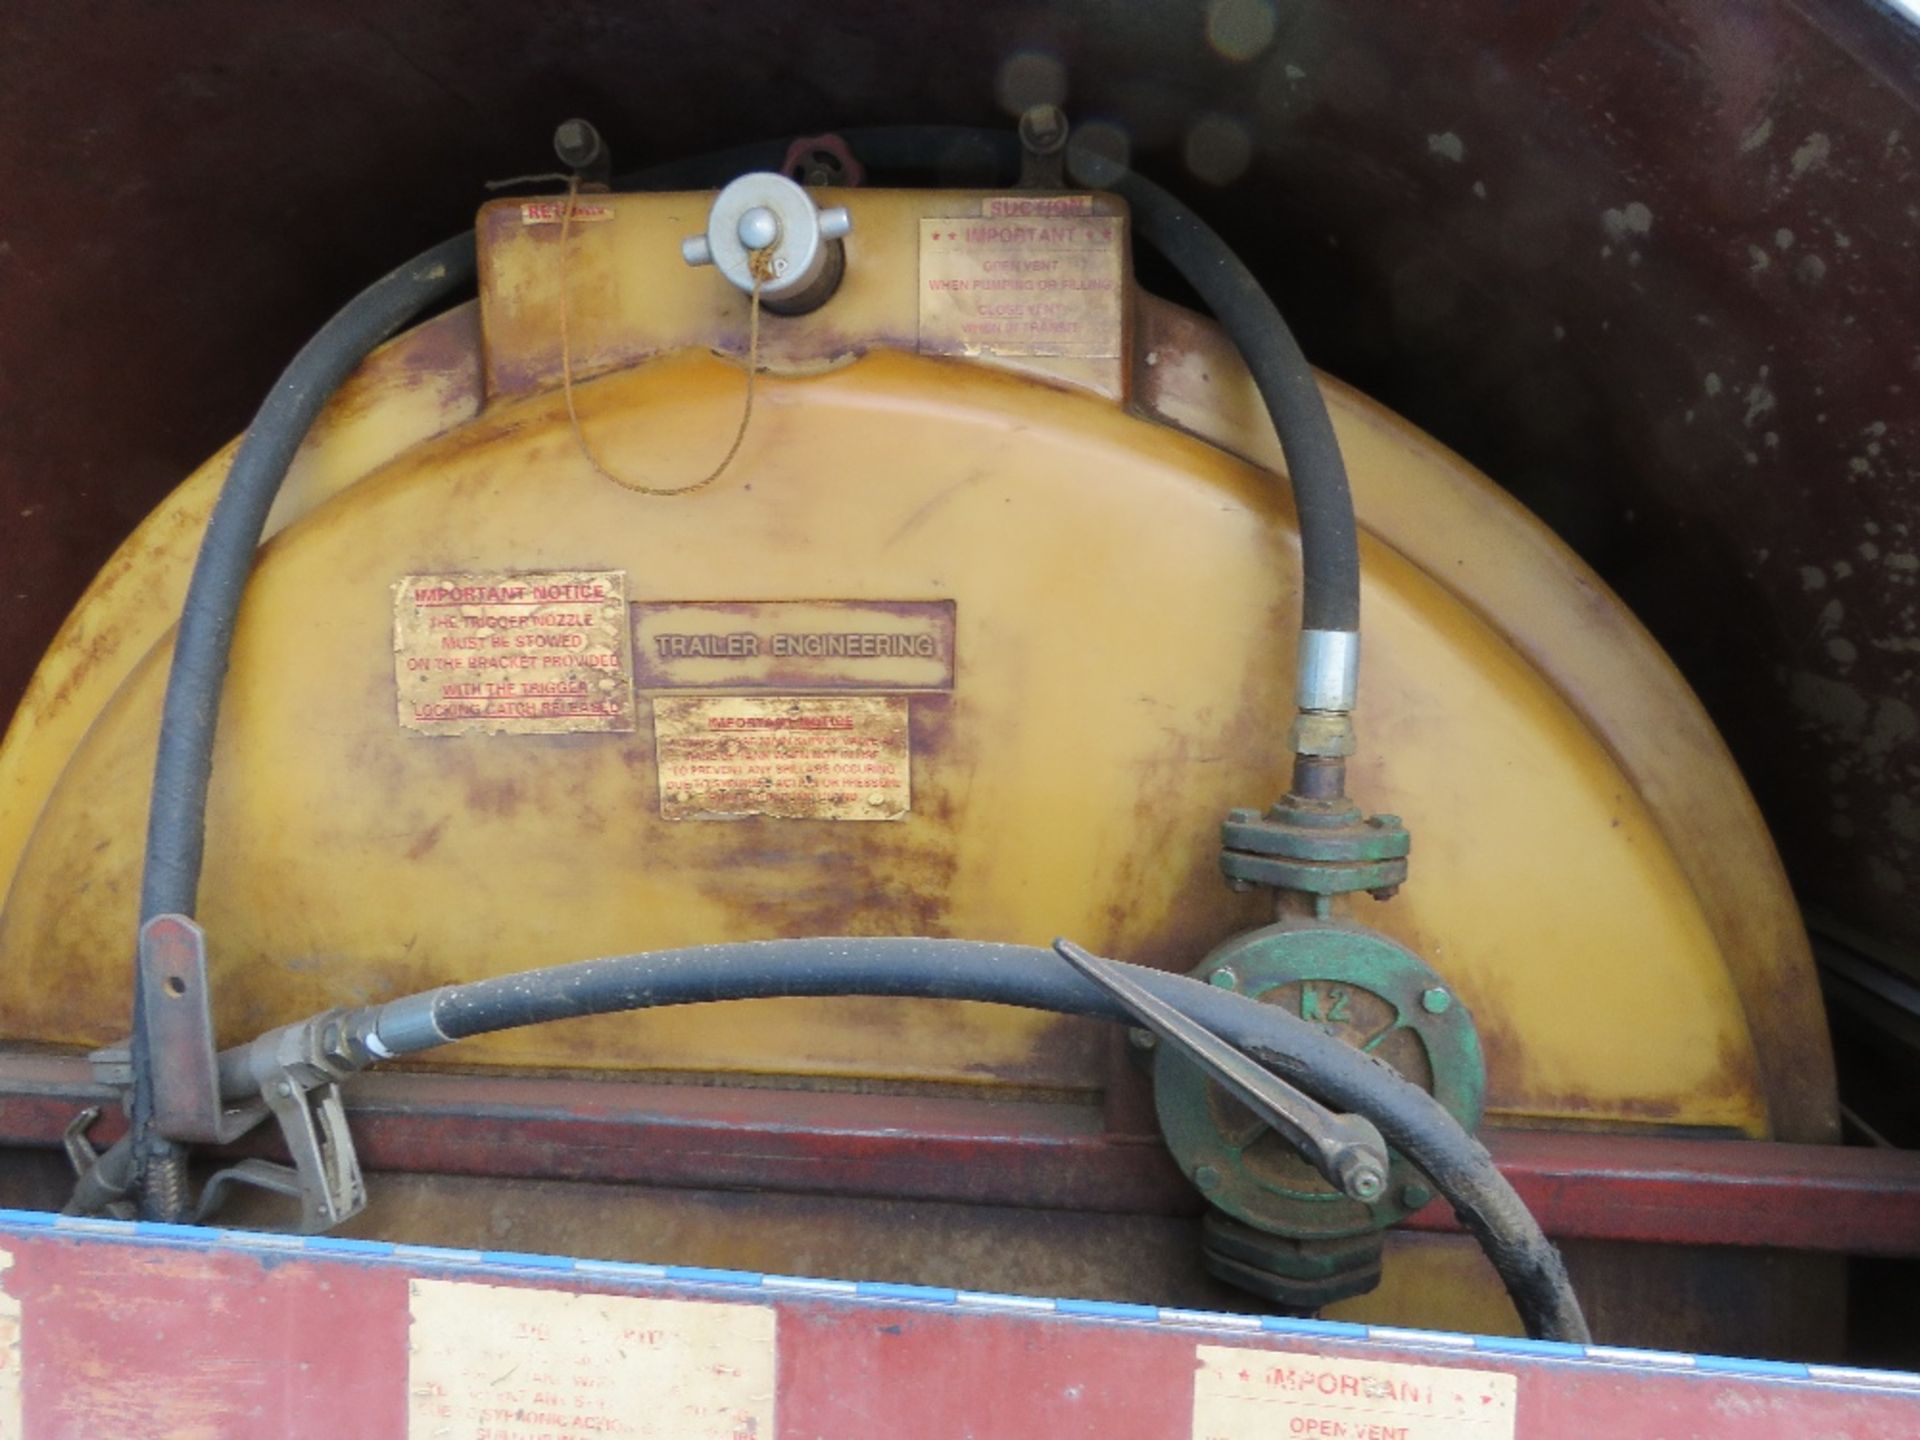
149	1330
1709	1192
1051	1155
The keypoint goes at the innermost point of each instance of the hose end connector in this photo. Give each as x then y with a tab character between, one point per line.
1327	678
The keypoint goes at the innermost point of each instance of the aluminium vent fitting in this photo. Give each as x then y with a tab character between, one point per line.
767	212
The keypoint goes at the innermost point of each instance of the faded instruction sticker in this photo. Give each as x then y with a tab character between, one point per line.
1258	1394
790	645
486	1362
13	1424
537	653
725	757
1022	283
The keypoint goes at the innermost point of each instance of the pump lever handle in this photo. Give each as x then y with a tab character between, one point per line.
1347	1149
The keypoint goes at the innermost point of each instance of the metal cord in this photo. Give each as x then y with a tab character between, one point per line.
758	262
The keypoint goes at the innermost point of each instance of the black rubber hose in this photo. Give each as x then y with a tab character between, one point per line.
176	823
1337	1074
1329	543
176	832
203	643
176	829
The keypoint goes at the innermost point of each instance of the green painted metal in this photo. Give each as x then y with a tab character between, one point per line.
1315	847
1368	990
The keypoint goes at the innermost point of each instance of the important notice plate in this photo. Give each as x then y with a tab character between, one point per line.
533	653
1259	1394
726	757
1027	276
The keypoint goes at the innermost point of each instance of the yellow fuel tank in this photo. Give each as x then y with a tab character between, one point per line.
983	629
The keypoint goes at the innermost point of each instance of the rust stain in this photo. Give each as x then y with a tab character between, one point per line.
497	796
429	838
154	554
1513	1089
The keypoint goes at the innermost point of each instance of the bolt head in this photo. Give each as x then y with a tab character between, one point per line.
1142	1039
1415	1196
1366	1185
577	143
1436	1001
333	1042
1224	978
1206	1177
283	1089
1043	129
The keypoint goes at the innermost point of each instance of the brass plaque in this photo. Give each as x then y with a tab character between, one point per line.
1022	284
793	645
535	653
725	757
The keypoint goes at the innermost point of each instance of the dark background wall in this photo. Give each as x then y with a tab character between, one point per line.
1651	263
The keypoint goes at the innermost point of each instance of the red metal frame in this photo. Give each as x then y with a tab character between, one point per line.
1051	1155
134	1331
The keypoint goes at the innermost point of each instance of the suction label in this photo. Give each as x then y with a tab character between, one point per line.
1259	1394
498	1362
727	757
531	653
1042	280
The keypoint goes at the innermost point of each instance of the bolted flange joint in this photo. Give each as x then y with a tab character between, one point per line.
1315	847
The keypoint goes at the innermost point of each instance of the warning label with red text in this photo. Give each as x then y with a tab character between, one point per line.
536	653
554	212
1266	1395
1000	283
724	757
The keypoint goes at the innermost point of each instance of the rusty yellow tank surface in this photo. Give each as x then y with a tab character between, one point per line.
983	629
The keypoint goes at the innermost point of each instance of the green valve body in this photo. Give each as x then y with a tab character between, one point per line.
1376	995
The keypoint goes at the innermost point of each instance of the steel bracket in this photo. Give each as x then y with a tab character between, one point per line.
180	1051
287	1073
